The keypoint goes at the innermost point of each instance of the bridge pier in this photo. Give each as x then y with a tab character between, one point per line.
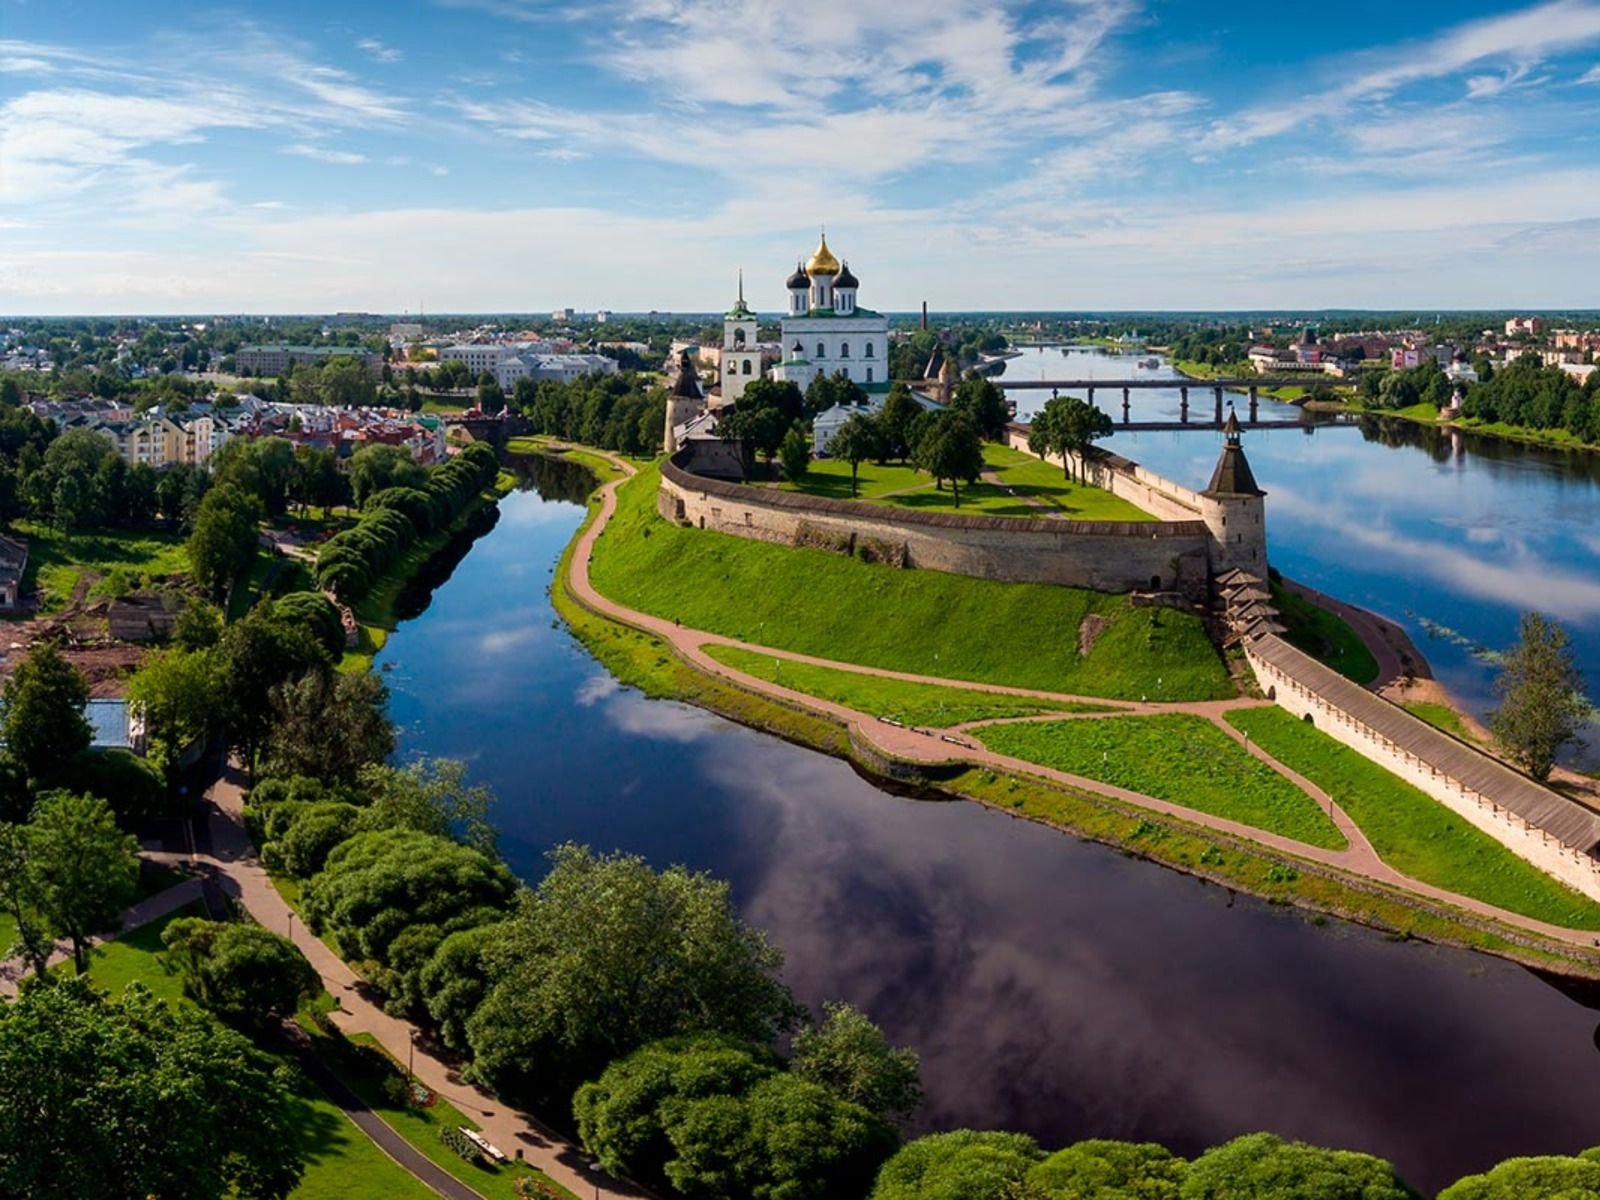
1183	405
1091	397
1218	392
1124	406
1255	400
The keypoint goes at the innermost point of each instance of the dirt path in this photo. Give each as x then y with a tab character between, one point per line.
929	747
1398	659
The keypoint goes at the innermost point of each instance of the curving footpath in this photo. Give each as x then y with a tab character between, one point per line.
927	747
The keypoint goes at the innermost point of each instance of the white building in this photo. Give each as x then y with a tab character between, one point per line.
741	354
827	332
478	356
563	368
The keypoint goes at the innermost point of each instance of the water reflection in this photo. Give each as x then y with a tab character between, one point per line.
1049	985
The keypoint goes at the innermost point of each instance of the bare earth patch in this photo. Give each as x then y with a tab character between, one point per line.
1089	631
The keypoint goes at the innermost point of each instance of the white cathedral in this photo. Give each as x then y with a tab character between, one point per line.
824	332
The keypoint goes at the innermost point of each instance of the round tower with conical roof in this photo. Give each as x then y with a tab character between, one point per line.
1235	509
685	401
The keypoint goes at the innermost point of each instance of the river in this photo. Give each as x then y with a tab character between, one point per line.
1049	985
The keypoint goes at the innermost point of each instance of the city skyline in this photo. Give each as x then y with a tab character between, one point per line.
495	155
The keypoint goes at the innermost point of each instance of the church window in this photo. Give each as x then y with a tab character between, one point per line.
869	374
844	349
869	349
747	366
846	372
738	337
822	351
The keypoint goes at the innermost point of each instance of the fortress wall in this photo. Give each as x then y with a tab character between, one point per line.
1106	556
1528	842
1158	496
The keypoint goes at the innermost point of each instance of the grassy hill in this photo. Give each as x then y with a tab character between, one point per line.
816	602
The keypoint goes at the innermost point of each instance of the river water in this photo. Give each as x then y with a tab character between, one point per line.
1049	985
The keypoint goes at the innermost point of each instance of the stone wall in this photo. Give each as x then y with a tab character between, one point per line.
1301	697
1107	556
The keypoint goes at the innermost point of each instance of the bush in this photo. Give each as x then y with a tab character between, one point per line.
133	786
460	1143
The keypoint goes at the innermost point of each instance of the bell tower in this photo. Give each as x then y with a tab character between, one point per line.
741	356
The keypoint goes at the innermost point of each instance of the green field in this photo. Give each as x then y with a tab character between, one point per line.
909	703
1175	757
57	560
1441	716
824	604
1325	636
1027	478
1412	832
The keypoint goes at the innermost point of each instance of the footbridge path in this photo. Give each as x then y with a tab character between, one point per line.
934	746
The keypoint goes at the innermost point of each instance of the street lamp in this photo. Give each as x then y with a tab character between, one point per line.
411	1058
291	925
595	1168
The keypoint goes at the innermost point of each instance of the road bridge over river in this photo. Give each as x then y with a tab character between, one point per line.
1251	384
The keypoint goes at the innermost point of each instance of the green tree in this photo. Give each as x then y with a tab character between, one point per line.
857	439
1541	696
761	429
1544	1178
1261	1166
606	955
258	652
249	977
1067	425
429	795
1108	1170
376	467
983	403
222	544
959	1165
796	454
849	1055
951	449
160	1101
41	711
319	614
84	869
19	899
328	725
457	976
345	382
179	694
900	409
199	625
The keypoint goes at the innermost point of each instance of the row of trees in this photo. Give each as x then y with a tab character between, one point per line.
626	412
349	563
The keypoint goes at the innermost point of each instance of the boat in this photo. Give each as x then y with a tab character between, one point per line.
1149	364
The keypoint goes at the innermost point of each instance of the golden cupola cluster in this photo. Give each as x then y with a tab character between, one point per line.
822	261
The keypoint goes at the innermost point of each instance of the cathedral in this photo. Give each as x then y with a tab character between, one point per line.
826	332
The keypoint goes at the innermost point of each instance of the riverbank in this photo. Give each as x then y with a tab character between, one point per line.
1426	414
640	655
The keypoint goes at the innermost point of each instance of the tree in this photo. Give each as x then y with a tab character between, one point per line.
827	391
199	625
983	403
258	652
454	980
713	1117
858	438
316	479
1544	1178
179	693
761	429
84	870
19	899
318	613
376	467
951	449
222	544
1108	1170
796	454
849	1055
159	1101
41	711
490	398
1542	704
1067	425
249	977
959	1165
783	395
328	725
900	409
607	955
1262	1166
430	795
376	885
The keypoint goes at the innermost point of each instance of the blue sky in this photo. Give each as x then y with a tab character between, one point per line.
476	155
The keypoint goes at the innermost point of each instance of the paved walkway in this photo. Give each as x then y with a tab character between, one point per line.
927	746
225	848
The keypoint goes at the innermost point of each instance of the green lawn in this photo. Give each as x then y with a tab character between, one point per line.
910	703
1441	716
820	603
1175	757
1026	477
1326	637
1411	831
57	560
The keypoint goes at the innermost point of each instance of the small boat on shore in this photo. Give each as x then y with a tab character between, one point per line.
1149	364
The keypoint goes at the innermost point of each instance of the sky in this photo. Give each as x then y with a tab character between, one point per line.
521	155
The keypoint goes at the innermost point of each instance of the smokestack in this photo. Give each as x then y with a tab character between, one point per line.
924	314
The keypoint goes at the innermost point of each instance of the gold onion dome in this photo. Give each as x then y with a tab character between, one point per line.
822	262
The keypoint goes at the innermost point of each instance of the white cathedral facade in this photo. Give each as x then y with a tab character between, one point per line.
826	332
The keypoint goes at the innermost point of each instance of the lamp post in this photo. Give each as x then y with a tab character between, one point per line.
411	1058
291	925
595	1169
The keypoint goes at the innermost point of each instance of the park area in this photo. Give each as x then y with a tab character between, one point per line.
1014	484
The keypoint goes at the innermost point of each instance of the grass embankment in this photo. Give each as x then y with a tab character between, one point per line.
1204	371
1441	716
58	560
1325	636
1425	414
1176	757
1031	488
910	703
375	612
824	604
598	465
1411	831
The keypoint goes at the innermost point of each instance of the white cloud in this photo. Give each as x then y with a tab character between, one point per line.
326	154
377	50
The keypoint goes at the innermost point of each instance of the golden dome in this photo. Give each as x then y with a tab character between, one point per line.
823	262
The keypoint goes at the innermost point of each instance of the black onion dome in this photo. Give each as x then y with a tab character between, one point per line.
846	279
799	279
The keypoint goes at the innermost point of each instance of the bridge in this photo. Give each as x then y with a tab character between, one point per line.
1249	383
